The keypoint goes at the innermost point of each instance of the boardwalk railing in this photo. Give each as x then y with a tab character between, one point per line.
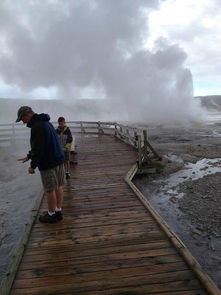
136	137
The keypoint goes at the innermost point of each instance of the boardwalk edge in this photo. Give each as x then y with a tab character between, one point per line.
204	278
7	281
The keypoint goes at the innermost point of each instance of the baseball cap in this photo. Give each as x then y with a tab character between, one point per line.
22	111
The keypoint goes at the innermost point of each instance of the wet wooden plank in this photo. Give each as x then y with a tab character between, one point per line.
110	279
99	270
108	242
91	250
92	287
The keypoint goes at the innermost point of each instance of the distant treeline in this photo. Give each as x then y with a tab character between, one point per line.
212	102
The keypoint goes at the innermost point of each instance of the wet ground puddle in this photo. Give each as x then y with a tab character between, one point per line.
191	171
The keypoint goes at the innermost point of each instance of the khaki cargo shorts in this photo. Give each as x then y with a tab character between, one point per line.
52	178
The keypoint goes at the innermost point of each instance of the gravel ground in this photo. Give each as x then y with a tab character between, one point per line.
201	203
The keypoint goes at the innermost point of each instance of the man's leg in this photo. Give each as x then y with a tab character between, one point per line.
59	201
50	216
51	200
59	193
52	178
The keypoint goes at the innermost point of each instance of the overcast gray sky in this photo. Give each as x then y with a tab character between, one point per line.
139	53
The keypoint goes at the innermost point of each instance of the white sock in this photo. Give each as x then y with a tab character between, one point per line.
51	213
57	209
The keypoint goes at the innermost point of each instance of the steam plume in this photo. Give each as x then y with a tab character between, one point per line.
99	44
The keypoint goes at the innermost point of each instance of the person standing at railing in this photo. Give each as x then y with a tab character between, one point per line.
66	139
47	155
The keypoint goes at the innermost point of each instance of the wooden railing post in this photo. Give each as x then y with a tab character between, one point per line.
139	151
127	133
145	137
147	144
145	151
100	129
116	131
135	139
82	127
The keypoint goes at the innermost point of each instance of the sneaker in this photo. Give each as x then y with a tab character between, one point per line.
59	215
48	218
68	175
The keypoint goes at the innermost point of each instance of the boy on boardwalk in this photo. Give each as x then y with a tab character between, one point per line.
66	139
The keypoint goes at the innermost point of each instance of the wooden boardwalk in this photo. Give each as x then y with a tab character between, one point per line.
108	242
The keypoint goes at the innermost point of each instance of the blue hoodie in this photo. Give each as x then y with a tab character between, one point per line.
45	151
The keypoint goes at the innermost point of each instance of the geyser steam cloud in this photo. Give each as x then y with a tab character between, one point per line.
99	44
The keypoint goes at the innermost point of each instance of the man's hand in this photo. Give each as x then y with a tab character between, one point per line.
31	170
23	160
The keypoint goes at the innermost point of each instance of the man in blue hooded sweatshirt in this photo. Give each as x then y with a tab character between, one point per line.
47	155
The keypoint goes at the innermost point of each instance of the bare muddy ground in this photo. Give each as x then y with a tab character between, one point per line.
187	192
19	191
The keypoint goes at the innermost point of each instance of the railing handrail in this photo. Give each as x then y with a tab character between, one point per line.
134	136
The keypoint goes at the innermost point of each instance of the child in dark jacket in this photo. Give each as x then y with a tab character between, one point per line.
66	139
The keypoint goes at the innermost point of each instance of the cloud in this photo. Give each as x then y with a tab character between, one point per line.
195	26
78	45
